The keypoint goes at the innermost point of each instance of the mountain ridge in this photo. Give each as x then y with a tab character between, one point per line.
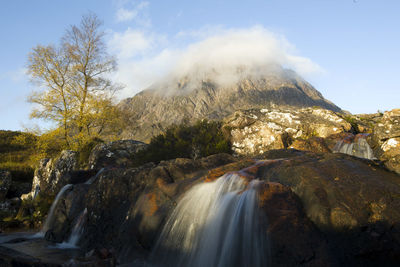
149	112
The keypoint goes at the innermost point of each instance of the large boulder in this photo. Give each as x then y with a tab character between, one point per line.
116	154
353	201
127	206
387	139
258	130
5	183
52	174
323	209
388	126
293	237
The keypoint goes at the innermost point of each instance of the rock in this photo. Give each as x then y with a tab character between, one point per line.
11	258
388	126
314	144
18	188
115	154
52	174
256	131
321	209
346	198
5	183
9	208
294	239
386	139
126	207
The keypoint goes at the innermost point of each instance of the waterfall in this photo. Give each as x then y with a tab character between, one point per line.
50	216
76	232
214	224
356	146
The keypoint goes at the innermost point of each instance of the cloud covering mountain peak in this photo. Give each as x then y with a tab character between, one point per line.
224	55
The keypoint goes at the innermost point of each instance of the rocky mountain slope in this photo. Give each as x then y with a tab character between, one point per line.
152	110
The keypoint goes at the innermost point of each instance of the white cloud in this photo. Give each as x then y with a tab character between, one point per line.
250	48
129	11
130	43
125	14
145	58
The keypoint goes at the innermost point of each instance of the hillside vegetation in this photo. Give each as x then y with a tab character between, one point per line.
20	152
197	140
17	152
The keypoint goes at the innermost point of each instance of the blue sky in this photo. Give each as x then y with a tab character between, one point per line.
350	49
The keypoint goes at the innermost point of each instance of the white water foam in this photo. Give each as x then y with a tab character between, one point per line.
76	232
50	216
358	148
214	224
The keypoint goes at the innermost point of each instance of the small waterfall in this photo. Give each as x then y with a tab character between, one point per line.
214	224
355	146
76	232
50	216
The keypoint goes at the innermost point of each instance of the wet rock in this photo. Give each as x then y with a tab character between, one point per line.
116	154
322	209
256	131
5	183
126	207
314	144
343	196
356	145
294	239
11	258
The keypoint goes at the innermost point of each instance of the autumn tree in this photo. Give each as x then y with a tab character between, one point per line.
50	67
77	96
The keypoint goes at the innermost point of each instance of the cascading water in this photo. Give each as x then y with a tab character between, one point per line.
215	224
50	216
356	146
76	232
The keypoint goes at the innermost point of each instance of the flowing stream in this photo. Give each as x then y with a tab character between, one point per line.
76	232
214	224
50	216
358	147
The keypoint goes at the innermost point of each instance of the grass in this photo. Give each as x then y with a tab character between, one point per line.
17	152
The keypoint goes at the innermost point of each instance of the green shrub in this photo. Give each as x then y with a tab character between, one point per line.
202	139
86	149
34	211
353	122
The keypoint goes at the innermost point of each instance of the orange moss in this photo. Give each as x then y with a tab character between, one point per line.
152	202
214	174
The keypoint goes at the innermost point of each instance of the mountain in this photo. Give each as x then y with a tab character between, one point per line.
191	98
